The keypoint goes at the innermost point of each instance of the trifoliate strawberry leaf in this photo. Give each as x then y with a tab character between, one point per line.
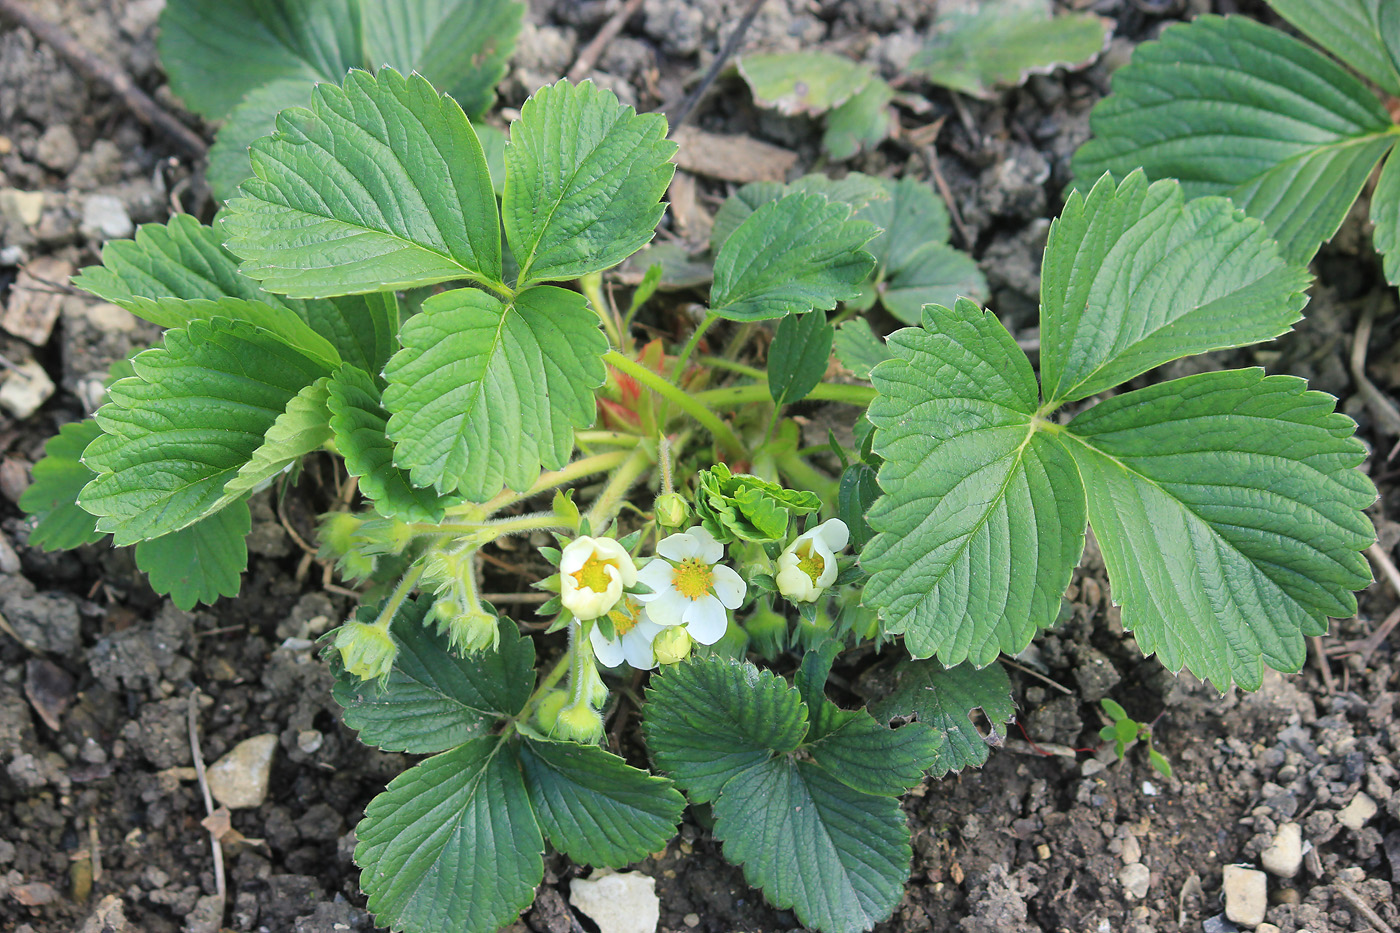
584	179
802	82
359	422
1232	107
982	520
937	274
452	843
255	116
381	185
1385	214
483	393
910	217
1135	276
858	349
943	699
798	356
201	562
836	857
280	322
710	719
855	189
1228	508
302	428
1363	33
594	807
862	122
461	46
434	698
52	498
1000	43
799	253
197	409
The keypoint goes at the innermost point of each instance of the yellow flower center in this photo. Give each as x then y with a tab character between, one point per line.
593	575
811	563
626	616
693	578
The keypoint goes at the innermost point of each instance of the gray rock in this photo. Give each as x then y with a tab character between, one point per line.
1135	879
1285	856
25	389
105	218
239	779
618	903
57	149
1357	813
1246	895
21	207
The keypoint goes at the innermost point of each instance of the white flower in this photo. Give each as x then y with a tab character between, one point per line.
689	587
592	575
808	566
633	634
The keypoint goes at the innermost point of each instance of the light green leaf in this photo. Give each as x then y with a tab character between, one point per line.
52	498
452	843
195	412
382	185
201	562
483	394
282	323
862	122
216	51
584	179
799	253
858	349
461	46
855	189
910	218
435	699
1134	276
304	427
710	719
798	356
1000	43
360	424
1232	107
594	807
834	856
1363	33
803	82
1228	508
944	699
493	144
1385	214
255	116
982	521
937	274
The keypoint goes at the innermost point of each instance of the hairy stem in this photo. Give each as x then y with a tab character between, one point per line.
686	403
579	469
396	598
609	501
730	396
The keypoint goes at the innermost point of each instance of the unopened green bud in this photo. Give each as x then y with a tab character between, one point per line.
672	645
337	533
366	650
468	629
355	566
671	510
386	535
579	723
547	712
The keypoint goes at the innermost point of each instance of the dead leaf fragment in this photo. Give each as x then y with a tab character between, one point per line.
731	157
49	689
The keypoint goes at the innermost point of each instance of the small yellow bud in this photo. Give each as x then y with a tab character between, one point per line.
672	645
671	510
579	723
366	650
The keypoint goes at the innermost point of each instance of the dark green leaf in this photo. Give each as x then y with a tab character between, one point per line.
52	498
201	562
798	356
855	496
1385	214
1363	33
255	116
858	349
944	699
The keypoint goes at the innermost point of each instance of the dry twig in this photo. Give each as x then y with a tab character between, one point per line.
594	49
1380	406
193	717
731	45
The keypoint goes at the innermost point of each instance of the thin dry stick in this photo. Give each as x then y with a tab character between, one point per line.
947	193
1026	670
1324	668
1381	407
193	719
517	598
594	49
1373	918
1383	563
97	69
731	45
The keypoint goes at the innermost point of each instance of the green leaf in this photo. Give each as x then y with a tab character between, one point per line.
869	756
1115	711
1363	33
594	807
937	274
1135	276
910	218
360	423
1232	107
435	699
743	507
943	698
302	428
1228	508
483	393
452	843
380	186
196	411
201	562
855	189
798	356
216	51
858	349
803	82
255	116
982	521
1162	766
1385	214
52	498
836	857
584	179
1000	43
493	144
855	496
461	46
799	253
710	719
862	122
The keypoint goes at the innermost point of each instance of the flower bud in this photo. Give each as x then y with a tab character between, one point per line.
366	650
671	510
547	712
337	533
468	628
578	723
592	575
673	645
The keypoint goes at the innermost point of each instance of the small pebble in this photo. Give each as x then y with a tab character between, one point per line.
1357	813
23	207
691	920
1267	928
1135	879
25	389
1218	924
1284	857
1132	851
1246	895
105	217
1149	789
239	779
618	903
1091	767
311	740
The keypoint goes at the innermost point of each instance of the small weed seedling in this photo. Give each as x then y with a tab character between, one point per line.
1123	731
367	294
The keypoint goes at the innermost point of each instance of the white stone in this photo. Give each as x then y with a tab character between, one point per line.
618	903
239	779
1132	850
1246	895
1135	879
22	207
1356	814
1267	928
25	388
1285	856
105	216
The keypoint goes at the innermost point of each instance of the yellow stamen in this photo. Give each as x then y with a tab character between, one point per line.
626	616
693	578
811	563
593	575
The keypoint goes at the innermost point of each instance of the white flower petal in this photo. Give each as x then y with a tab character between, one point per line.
609	549
829	568
679	546
636	648
656	575
608	653
706	620
729	586
576	554
833	533
668	609
710	550
792	581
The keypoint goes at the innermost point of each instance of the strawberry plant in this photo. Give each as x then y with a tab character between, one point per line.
367	294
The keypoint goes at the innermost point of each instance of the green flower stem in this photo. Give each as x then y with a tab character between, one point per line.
580	654
686	403
396	598
689	348
803	475
608	438
719	362
579	469
730	396
553	677
488	531
609	501
592	285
